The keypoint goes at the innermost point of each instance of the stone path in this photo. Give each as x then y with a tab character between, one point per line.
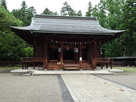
89	88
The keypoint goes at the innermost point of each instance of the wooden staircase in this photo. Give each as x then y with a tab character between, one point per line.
86	66
56	66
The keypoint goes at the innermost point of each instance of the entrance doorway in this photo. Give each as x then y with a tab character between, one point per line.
68	53
53	52
84	54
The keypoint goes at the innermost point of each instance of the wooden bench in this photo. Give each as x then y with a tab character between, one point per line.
102	62
71	66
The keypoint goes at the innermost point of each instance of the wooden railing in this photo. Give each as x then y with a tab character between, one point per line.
102	62
33	61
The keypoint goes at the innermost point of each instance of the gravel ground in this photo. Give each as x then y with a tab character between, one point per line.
126	79
47	88
5	70
29	88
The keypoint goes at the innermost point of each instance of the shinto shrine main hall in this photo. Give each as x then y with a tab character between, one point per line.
63	42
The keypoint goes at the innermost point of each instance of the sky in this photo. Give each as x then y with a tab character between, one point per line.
53	5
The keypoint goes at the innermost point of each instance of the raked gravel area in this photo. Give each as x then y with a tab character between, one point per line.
14	88
125	79
80	87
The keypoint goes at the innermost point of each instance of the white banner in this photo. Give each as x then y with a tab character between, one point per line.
76	50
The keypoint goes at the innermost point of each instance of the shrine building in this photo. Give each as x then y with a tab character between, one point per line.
63	42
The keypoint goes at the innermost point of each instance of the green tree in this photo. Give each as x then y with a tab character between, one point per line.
28	51
67	10
79	13
110	15
25	14
129	23
48	12
90	10
11	46
120	15
99	11
114	14
3	3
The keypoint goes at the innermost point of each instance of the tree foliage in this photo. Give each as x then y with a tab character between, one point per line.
79	13
122	17
11	46
90	10
48	12
116	15
67	10
112	14
3	3
129	23
25	14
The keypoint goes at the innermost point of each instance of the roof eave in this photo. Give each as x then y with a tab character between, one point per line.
65	32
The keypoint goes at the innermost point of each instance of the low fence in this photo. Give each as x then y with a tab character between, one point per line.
9	63
124	61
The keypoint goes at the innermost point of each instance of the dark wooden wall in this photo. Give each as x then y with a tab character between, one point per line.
39	49
92	50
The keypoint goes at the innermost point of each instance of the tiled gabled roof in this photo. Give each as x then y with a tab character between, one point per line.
67	25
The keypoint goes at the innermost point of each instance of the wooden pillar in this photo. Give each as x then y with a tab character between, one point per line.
80	53
45	65
95	55
61	53
89	53
34	54
95	50
23	65
100	50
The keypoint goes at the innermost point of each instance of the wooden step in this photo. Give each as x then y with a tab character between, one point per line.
54	66
85	66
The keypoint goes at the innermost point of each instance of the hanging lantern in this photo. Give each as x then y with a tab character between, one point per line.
59	49
67	48
76	50
80	58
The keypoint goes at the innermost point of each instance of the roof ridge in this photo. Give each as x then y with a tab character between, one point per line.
66	17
